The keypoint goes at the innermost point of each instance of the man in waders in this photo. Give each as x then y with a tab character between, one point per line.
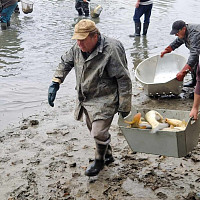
188	34
82	6
6	10
103	85
142	7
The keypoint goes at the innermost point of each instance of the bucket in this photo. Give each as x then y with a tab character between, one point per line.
27	6
95	10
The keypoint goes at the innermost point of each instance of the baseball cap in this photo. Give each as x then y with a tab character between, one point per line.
177	26
83	28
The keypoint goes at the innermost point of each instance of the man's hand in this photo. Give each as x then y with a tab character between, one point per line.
124	114
137	4
167	50
180	76
194	113
53	88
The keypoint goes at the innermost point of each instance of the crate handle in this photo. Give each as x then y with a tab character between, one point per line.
192	120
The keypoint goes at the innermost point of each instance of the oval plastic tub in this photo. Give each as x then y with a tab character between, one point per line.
158	75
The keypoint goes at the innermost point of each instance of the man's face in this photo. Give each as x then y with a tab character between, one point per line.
88	44
181	33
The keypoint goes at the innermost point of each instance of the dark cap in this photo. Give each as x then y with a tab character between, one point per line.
177	26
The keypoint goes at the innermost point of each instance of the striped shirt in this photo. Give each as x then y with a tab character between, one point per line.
146	2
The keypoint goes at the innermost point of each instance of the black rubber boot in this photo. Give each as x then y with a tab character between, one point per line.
3	26
86	10
99	161
109	157
17	9
191	95
145	28
80	12
8	23
87	13
137	30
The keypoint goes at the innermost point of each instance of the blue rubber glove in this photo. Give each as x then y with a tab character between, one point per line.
53	88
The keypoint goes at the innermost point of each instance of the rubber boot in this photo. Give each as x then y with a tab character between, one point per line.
8	23
99	161
87	13
191	95
109	157
137	30
3	26
86	10
80	12
193	82
145	28
17	9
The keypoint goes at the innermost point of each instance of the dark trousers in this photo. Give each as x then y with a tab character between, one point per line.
143	10
6	13
82	8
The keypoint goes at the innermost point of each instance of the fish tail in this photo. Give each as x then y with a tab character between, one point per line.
159	127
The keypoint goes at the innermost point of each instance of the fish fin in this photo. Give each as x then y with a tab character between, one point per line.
143	127
136	120
127	122
159	127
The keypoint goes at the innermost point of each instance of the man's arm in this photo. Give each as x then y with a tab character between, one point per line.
118	69
137	4
61	72
64	67
195	107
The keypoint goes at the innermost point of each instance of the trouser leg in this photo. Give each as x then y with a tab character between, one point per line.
17	9
6	15
147	14
78	7
136	18
99	131
86	8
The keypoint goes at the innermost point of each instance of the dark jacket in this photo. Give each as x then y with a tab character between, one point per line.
102	80
191	41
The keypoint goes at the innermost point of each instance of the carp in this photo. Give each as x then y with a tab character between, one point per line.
176	123
156	120
137	123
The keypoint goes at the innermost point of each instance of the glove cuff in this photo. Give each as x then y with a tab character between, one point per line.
57	80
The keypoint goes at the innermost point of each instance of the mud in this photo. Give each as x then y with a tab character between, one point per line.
46	154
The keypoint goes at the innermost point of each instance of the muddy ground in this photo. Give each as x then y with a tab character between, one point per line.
46	154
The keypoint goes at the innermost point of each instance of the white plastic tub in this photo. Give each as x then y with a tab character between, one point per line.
158	75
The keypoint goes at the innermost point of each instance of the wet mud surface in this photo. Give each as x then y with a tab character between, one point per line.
46	155
43	156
